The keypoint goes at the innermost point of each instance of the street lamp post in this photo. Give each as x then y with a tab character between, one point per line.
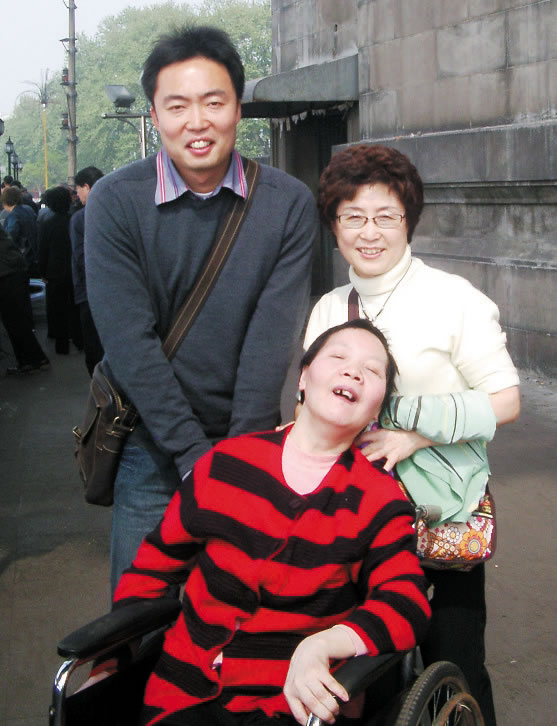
123	99
9	151
15	165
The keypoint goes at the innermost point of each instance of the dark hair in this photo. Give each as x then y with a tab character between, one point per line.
357	324
59	199
188	42
11	196
88	176
367	164
8	179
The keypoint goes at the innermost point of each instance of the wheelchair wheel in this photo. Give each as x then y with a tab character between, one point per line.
460	710
430	693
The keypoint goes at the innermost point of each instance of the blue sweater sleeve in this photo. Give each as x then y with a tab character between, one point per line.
276	324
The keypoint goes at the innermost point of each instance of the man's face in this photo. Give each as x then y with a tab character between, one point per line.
83	193
196	111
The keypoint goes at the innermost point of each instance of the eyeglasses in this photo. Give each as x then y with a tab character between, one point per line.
357	221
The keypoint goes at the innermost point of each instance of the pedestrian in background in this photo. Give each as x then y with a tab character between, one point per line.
55	253
21	224
14	309
92	346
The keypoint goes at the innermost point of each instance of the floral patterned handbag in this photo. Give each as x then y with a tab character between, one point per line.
458	545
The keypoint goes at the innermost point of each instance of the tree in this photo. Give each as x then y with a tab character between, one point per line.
115	55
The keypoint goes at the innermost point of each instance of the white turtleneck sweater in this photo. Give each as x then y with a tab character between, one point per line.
443	332
446	338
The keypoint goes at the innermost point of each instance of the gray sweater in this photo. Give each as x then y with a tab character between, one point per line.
227	376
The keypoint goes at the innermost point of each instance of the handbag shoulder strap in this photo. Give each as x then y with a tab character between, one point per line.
206	280
353	305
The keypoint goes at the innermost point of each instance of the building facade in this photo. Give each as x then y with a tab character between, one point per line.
468	90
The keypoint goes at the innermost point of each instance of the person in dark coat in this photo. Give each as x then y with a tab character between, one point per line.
84	180
14	309
21	224
55	254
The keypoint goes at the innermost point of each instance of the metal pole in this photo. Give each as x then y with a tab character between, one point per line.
72	96
143	137
45	152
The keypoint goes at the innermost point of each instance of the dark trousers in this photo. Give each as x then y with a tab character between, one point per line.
15	310
62	314
456	632
91	342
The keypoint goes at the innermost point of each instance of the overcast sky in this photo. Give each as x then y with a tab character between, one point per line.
31	33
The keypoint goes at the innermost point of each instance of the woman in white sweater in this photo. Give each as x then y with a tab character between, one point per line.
446	339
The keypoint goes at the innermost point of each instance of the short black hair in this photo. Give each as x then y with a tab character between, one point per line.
358	324
191	41
88	176
59	199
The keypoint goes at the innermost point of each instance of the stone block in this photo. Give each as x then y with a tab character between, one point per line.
417	16
530	91
336	13
532	33
379	114
417	107
481	8
289	24
323	46
385	20
386	66
449	12
418	58
488	98
451	101
472	47
288	56
366	70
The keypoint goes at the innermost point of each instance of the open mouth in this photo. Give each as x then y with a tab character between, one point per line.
200	145
370	251
345	393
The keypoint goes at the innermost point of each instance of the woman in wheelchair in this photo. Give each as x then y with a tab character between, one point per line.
294	553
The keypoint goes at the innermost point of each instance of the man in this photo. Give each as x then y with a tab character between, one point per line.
148	229
21	225
14	310
92	346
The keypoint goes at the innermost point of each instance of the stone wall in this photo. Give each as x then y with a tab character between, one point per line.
427	65
468	89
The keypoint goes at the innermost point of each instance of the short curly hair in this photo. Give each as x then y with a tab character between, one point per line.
370	164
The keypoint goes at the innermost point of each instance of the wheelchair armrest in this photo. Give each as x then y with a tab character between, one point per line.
119	627
356	674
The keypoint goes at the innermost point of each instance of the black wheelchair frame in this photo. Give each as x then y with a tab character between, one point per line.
436	696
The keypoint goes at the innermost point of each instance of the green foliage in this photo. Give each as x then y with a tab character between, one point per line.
115	55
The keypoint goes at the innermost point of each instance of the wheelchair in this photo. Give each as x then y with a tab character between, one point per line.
399	692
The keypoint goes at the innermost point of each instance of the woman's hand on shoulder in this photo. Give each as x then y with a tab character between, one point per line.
309	687
393	446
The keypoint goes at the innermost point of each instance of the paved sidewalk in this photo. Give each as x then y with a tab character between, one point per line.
54	547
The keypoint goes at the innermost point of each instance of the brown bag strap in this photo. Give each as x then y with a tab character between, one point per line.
226	237
353	305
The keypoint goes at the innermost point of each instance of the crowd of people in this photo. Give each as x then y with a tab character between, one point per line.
44	241
294	544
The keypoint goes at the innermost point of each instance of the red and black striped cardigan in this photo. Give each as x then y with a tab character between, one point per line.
264	567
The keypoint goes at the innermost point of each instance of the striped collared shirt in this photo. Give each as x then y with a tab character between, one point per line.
170	184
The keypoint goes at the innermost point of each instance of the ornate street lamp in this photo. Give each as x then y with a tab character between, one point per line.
15	164
9	151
